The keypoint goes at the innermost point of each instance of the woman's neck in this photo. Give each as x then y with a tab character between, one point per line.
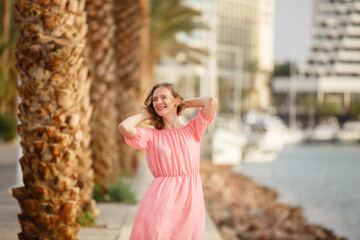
171	122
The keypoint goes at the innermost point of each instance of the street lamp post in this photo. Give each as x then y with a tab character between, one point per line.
237	74
292	97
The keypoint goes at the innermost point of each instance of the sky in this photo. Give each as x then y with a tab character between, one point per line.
293	26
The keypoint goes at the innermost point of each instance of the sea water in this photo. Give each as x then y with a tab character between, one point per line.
324	179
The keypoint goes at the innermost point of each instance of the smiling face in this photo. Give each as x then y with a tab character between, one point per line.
164	102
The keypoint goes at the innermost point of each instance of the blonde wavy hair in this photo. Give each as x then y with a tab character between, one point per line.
156	120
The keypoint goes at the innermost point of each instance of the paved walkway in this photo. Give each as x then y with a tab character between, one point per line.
117	218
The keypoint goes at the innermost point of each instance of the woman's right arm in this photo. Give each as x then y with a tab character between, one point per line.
127	127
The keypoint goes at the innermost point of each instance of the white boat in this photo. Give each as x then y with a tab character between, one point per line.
266	136
350	132
259	155
227	141
326	130
268	133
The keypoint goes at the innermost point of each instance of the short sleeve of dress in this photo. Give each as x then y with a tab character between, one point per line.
141	139
200	123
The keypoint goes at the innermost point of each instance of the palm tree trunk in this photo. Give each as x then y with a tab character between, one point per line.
146	63
132	21
84	153
103	95
49	48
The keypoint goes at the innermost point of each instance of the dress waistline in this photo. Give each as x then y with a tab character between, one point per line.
175	176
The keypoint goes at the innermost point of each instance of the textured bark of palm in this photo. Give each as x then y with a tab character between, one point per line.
103	95
50	66
84	154
131	19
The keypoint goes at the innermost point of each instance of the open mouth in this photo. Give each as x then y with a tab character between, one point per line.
161	108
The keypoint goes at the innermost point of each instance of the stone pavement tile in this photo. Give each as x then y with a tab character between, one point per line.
126	228
111	214
8	215
211	232
9	233
98	233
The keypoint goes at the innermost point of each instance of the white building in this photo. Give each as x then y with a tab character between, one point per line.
246	41
332	71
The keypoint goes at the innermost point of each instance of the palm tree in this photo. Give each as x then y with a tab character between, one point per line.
131	48
168	18
103	95
50	65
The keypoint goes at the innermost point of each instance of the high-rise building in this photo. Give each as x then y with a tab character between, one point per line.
332	70
245	39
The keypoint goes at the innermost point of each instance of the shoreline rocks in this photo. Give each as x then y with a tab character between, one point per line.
243	210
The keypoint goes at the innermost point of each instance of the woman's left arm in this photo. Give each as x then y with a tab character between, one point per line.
208	104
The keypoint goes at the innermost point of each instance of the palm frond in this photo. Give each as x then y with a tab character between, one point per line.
168	19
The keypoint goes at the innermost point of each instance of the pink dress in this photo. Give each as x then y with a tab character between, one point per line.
173	205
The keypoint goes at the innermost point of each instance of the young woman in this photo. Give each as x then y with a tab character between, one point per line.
173	205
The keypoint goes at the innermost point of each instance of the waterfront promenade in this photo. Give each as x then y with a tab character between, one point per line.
115	220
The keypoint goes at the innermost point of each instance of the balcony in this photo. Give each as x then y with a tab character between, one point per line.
354	18
350	43
349	56
352	30
324	44
334	7
347	68
333	32
316	69
323	57
356	5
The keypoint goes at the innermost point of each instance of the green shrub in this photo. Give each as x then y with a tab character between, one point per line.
355	108
8	123
116	192
85	219
97	193
328	109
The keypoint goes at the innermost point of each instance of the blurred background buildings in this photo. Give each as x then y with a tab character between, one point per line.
331	74
239	40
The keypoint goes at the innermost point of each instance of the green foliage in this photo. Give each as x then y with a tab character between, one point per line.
8	123
85	219
116	192
252	66
97	192
7	89
168	18
283	69
355	108
8	72
328	109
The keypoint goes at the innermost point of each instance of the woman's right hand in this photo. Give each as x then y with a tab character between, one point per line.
146	114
